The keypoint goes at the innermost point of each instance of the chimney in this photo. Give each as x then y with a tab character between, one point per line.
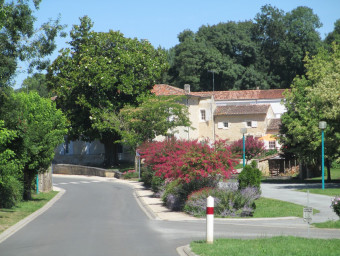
187	88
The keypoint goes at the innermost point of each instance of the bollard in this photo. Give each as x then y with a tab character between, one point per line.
210	220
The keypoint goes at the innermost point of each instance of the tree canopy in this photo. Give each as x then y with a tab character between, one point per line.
265	53
314	98
21	41
37	82
155	116
38	128
97	76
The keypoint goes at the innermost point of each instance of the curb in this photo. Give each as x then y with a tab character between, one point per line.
16	227
185	251
145	207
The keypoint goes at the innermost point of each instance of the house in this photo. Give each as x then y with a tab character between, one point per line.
87	153
213	115
221	114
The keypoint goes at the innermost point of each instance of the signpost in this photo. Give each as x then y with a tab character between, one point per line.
307	213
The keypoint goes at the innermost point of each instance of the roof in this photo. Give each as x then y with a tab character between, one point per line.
242	109
167	90
274	124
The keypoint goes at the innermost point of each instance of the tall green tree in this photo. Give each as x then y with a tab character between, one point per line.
10	170
313	98
334	36
156	115
37	82
39	128
21	41
97	76
225	50
265	53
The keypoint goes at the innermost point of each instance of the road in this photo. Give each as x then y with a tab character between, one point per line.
97	217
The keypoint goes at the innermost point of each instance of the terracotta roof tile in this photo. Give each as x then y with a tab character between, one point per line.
242	109
164	89
274	124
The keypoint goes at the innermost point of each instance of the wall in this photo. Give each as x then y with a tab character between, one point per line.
82	170
45	181
86	153
236	123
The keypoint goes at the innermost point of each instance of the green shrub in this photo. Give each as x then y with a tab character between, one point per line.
130	174
156	184
146	176
11	191
250	176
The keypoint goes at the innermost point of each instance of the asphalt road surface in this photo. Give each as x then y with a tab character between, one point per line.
100	218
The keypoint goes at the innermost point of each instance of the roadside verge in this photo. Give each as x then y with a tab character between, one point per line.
16	227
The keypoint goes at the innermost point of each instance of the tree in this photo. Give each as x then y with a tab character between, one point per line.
10	170
21	41
285	39
97	76
265	53
153	117
225	48
334	36
39	129
36	83
314	98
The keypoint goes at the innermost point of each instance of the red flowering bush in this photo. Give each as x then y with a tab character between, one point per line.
188	160
253	147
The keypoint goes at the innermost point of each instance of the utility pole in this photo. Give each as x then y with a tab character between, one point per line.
213	72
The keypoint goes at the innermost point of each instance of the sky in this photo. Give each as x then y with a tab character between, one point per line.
160	22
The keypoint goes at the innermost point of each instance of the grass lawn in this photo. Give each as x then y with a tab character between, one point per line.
278	246
8	217
326	191
266	208
335	174
328	224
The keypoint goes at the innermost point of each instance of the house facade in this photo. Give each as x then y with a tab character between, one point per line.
221	114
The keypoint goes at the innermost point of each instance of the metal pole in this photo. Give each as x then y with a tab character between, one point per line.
37	182
244	151
322	160
213	81
139	166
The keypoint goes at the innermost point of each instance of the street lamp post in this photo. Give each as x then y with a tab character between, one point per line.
213	72
322	126
244	131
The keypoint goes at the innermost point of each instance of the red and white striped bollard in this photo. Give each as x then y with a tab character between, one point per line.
210	220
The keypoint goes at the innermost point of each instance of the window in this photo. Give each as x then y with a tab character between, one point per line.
272	144
203	115
223	125
251	124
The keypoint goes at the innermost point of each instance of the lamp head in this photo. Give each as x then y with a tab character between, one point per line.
322	125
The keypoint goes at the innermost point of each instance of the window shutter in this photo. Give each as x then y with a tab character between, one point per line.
254	124
220	125
208	115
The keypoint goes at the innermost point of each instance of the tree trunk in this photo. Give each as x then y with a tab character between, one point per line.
111	156
28	179
328	165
